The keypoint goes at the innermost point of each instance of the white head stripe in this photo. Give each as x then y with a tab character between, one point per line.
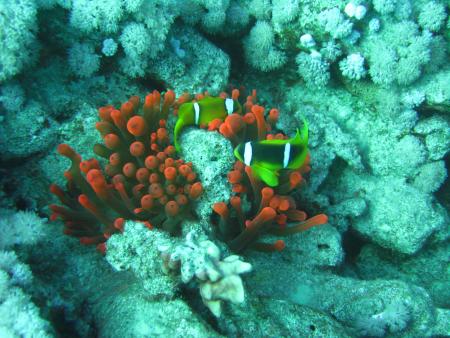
287	154
229	105
247	153
197	112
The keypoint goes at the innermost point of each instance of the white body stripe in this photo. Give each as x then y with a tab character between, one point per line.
229	105
248	153
196	112
287	154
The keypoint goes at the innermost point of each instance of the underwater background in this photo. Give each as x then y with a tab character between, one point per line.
153	241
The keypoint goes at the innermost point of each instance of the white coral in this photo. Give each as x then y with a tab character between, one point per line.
352	66
307	41
374	25
394	318
335	23
313	69
19	228
355	11
199	260
109	47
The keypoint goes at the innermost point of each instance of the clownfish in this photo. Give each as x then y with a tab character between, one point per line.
202	112
267	157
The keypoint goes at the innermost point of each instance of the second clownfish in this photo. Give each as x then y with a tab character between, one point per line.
267	157
202	112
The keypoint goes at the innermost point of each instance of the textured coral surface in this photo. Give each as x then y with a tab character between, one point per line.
194	243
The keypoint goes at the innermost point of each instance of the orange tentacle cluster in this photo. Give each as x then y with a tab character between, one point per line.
143	179
271	210
251	125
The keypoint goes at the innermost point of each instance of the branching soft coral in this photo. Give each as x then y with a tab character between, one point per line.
399	53
143	180
260	49
17	37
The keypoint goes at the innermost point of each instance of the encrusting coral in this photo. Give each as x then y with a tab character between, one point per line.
144	180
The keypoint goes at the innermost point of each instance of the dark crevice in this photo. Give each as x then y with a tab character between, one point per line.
190	295
352	244
336	169
151	83
52	34
443	194
63	326
234	48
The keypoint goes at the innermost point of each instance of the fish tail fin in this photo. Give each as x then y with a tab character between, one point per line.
301	137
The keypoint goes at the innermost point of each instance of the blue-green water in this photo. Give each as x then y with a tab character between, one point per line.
349	241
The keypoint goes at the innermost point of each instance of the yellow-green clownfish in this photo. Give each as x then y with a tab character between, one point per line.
267	157
202	112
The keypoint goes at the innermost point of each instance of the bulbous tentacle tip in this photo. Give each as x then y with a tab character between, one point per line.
137	126
172	208
221	209
67	151
196	190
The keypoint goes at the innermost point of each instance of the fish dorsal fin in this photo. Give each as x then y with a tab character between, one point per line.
208	99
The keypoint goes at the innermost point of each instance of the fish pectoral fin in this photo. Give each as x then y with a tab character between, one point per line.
267	176
176	132
177	146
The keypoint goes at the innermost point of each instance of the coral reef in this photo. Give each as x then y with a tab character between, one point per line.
19	317
370	78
